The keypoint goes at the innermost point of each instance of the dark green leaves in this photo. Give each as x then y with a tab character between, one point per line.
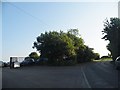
111	33
61	48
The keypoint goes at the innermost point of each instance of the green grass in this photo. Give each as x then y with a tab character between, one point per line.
103	59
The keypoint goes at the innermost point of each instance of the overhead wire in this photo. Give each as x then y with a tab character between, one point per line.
38	19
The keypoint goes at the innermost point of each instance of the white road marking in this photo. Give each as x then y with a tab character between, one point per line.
85	78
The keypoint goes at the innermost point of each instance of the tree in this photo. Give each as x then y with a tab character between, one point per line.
74	32
112	34
83	52
60	47
34	55
74	35
96	56
54	46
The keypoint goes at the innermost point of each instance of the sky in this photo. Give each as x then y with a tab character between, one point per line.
0	31
22	22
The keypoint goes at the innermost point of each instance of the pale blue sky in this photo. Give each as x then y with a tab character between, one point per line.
23	22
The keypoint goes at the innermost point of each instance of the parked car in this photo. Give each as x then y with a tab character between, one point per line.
41	61
8	64
16	64
27	62
117	63
3	64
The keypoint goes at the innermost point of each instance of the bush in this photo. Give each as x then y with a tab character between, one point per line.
63	63
41	61
105	57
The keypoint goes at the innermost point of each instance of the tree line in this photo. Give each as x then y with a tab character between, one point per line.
64	48
68	48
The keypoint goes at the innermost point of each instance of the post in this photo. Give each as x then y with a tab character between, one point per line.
11	63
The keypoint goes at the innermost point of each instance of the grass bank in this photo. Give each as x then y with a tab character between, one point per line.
103	59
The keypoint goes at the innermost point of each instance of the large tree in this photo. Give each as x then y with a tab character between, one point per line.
112	34
59	47
54	46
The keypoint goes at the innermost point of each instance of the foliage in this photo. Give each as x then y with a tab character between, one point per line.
34	55
96	56
63	48
112	34
104	57
42	61
55	46
85	54
77	41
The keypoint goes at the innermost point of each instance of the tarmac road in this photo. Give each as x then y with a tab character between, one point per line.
87	75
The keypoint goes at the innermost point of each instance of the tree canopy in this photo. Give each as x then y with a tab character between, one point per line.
34	55
60	47
111	33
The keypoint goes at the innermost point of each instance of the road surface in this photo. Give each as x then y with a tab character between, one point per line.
86	75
